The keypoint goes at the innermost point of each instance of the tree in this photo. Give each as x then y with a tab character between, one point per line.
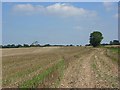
25	45
12	46
111	42
35	44
115	42
46	45
71	45
96	38
18	46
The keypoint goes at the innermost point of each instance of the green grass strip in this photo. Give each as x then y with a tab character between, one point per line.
19	75
115	53
114	49
35	81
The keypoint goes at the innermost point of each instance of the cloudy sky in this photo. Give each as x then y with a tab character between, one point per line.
58	23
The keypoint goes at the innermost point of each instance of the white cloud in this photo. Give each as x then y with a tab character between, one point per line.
109	6
23	7
63	10
117	16
28	9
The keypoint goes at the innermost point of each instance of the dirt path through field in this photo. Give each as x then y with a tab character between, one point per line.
78	73
85	67
84	73
105	70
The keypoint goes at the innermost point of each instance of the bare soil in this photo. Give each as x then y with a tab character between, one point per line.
92	70
85	67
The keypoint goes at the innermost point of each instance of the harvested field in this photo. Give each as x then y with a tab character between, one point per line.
64	67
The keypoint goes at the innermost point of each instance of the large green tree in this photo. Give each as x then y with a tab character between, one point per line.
95	38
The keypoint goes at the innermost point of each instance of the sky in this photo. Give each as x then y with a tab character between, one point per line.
58	22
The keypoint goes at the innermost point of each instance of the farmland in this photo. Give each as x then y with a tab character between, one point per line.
60	67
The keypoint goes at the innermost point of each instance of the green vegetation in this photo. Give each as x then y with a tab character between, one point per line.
115	42
35	81
113	53
20	74
95	38
53	67
61	71
94	66
114	49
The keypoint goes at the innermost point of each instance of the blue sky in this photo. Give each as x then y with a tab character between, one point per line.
58	23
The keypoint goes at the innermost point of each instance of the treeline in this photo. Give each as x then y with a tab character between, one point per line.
114	42
27	45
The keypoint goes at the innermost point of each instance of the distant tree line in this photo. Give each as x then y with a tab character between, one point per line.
32	45
96	37
114	42
24	45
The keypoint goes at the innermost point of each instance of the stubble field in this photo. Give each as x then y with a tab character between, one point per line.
61	67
